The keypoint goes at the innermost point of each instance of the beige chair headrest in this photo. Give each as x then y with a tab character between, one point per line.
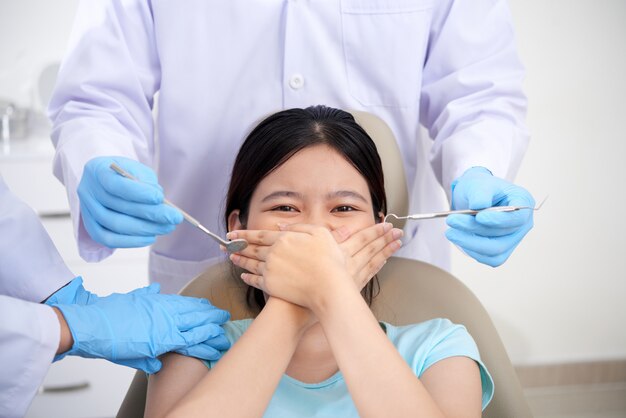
393	167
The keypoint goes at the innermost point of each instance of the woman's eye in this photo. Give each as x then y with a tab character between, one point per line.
283	208
344	208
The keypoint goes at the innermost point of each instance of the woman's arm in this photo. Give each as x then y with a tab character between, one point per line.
455	385
243	381
176	378
379	379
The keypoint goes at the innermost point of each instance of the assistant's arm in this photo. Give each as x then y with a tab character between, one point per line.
243	381
102	103
472	101
29	339
31	268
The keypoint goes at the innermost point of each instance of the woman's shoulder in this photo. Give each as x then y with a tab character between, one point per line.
433	329
428	341
425	343
235	329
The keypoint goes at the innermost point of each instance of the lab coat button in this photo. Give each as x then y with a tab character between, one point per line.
296	82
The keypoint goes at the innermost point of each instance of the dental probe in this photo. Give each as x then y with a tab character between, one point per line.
433	215
231	246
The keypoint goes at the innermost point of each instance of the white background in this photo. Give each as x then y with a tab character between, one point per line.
561	297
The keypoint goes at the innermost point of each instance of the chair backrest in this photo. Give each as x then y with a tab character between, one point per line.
393	168
411	292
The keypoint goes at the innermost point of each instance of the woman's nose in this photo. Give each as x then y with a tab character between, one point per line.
322	219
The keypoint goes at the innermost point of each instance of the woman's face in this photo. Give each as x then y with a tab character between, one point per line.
315	186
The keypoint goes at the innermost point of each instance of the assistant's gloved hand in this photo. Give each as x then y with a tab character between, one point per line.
134	328
488	237
120	213
72	293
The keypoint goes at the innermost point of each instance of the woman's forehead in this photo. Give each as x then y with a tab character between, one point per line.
319	168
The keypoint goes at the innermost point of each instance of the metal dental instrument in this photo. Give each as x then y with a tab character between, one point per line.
231	246
434	215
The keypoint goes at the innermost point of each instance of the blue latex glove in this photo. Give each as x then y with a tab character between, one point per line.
120	213
72	293
134	328
488	237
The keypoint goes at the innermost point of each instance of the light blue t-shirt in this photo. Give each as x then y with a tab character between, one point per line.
421	345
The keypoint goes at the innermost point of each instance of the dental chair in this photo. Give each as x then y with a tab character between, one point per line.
410	291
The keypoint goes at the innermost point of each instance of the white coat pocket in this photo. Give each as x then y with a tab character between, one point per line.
385	45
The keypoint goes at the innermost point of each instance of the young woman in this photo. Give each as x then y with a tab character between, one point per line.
302	178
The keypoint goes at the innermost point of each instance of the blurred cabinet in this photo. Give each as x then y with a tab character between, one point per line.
27	170
74	387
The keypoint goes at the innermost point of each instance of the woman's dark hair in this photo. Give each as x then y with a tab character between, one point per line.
279	137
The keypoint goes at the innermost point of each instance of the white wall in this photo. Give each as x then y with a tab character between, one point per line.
561	297
33	33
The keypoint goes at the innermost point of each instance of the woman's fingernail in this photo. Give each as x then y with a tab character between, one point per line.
234	258
397	233
387	226
231	235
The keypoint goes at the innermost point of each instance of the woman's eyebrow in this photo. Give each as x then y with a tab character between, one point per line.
282	193
332	195
346	193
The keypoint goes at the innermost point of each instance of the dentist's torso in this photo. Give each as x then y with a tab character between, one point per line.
226	65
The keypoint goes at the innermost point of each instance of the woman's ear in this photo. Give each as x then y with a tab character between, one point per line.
233	221
380	218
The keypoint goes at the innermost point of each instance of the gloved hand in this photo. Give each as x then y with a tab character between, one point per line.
120	213
488	237
134	328
75	294
72	293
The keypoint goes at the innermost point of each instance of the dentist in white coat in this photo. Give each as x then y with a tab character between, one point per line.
131	329
449	66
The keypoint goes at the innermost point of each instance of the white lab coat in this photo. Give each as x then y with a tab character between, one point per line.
449	66
31	269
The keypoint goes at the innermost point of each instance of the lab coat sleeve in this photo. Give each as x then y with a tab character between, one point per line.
102	103
31	268
472	101
29	338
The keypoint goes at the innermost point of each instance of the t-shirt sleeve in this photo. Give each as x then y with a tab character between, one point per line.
233	330
424	344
